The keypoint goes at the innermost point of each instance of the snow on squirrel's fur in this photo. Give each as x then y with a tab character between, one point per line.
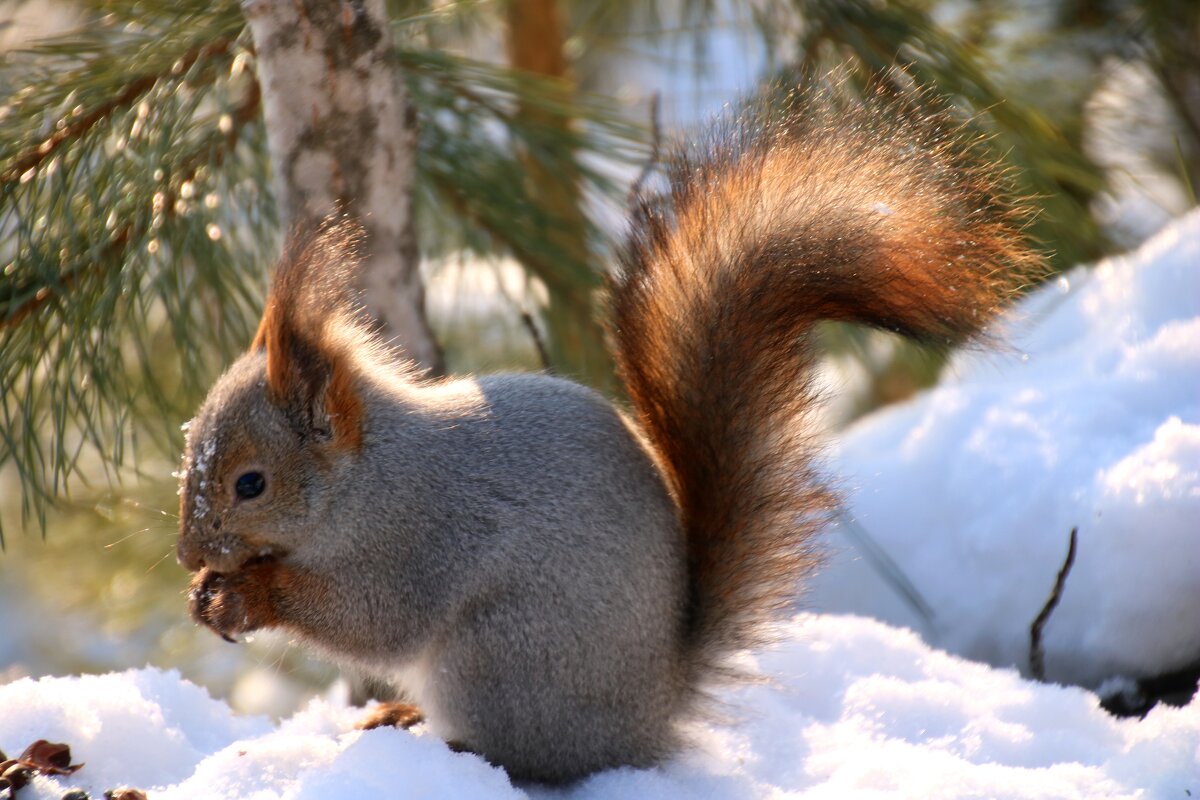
972	488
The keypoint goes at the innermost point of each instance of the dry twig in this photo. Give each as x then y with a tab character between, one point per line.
1037	656
538	343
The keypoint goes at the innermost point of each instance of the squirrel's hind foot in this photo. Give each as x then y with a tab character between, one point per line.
391	715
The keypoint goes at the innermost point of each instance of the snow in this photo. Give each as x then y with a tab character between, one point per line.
1093	420
856	708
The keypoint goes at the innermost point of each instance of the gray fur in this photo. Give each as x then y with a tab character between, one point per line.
502	548
505	550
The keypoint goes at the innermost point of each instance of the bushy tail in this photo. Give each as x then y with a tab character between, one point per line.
812	207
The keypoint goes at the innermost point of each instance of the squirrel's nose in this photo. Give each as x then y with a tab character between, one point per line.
188	556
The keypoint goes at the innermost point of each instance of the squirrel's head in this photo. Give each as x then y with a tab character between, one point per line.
261	449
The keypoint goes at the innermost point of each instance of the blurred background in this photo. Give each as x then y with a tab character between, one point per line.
137	228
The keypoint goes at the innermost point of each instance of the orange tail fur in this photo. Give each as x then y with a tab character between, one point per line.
818	207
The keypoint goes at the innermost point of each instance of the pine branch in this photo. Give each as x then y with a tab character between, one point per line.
473	187
136	222
211	153
125	98
111	239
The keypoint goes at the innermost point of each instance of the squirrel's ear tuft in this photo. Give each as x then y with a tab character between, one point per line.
309	331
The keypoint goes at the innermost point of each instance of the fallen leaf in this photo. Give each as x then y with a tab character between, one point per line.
48	758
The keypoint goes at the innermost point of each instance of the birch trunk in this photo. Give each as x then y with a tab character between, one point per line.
341	138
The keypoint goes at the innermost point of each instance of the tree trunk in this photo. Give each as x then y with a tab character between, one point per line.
576	342
341	138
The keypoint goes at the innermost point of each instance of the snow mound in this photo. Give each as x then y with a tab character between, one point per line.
855	708
1093	422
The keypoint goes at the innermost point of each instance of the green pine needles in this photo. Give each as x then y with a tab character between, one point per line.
137	224
132	209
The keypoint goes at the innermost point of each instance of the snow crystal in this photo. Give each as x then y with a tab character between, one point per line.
200	466
855	709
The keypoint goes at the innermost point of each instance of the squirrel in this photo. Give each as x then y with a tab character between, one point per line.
556	583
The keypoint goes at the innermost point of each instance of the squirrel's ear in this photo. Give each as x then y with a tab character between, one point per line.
309	337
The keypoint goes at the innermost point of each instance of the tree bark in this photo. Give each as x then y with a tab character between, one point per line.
342	138
575	341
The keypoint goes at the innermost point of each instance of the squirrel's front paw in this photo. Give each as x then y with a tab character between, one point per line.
233	603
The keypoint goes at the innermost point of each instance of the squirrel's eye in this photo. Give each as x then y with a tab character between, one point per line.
250	485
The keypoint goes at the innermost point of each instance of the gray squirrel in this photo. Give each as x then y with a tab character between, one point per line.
556	583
